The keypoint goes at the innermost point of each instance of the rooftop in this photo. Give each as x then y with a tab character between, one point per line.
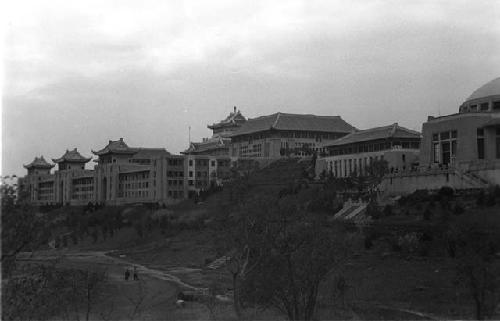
491	88
206	145
39	162
391	131
232	119
72	156
304	122
120	147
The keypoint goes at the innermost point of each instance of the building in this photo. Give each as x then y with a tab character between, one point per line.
354	153
469	138
279	135
460	150
218	144
73	183
125	175
39	182
205	171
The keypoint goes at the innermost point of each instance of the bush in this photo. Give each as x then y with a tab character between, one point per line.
458	209
373	211
446	191
490	200
388	210
427	214
480	198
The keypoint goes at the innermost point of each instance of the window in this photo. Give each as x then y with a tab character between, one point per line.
190	173
496	105
444	147
190	162
213	163
484	106
480	143
473	108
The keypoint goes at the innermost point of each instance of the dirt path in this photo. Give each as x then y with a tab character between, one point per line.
151	298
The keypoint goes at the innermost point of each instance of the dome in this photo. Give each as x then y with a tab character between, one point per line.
491	88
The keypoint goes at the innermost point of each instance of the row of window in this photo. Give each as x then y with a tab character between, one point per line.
347	167
372	147
318	137
484	106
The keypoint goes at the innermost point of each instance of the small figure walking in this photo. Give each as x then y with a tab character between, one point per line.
127	274
136	276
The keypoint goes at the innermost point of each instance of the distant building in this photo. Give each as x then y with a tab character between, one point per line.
468	139
279	135
218	144
354	153
135	175
39	182
460	150
74	184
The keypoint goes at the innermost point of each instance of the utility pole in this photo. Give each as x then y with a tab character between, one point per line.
189	136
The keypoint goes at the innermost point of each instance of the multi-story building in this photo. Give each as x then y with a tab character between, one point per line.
280	134
460	150
218	144
354	153
73	183
39	182
469	138
137	175
204	171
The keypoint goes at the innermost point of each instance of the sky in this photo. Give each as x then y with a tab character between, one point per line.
80	73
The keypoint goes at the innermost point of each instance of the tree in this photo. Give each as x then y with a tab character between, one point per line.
281	253
21	229
477	243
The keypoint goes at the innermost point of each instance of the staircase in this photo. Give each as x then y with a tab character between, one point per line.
472	179
218	262
352	211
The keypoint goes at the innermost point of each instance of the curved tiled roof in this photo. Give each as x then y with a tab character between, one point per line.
115	146
391	131
232	119
283	121
120	147
491	88
209	144
39	162
72	156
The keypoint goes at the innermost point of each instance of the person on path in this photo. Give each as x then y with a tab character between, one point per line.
136	276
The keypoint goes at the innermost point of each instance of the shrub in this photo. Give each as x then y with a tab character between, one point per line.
490	200
480	198
388	210
446	191
458	209
427	214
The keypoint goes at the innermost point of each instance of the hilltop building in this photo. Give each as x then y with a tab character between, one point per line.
460	150
38	183
218	144
354	153
280	134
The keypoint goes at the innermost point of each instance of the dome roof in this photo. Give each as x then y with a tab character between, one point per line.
491	88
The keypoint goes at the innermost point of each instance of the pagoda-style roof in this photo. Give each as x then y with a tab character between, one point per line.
72	156
39	162
233	119
294	122
115	147
207	145
384	132
120	147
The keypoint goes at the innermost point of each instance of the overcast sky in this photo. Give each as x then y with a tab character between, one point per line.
79	73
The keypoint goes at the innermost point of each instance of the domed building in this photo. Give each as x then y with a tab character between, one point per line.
460	150
469	139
